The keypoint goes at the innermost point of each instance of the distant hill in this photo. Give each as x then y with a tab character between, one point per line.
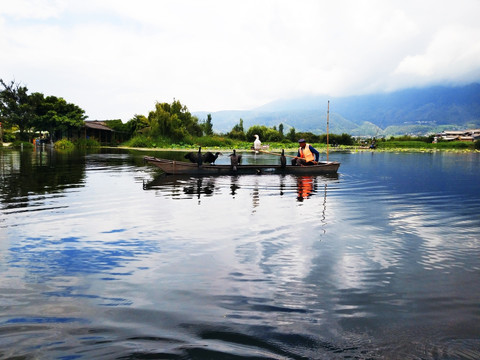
411	111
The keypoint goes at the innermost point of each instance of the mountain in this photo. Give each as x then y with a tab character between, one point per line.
410	111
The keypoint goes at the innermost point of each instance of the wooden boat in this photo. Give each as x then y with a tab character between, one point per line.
173	167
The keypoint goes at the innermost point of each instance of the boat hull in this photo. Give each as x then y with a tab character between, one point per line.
173	167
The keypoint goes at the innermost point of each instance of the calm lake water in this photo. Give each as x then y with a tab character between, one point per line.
102	258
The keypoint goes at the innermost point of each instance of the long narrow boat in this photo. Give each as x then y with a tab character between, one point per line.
173	167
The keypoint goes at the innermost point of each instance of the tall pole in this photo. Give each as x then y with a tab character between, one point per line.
328	113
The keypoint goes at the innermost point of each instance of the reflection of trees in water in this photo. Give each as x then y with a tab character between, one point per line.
24	173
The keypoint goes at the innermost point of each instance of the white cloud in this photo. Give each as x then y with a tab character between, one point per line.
452	55
116	58
31	9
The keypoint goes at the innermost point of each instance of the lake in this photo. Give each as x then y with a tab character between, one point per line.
102	257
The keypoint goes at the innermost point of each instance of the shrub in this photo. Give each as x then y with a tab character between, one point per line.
453	145
9	136
63	144
139	141
17	144
212	141
477	144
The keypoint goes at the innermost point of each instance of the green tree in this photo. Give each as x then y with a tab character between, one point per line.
207	126
173	121
309	137
16	108
291	135
56	115
260	130
136	124
237	131
273	135
35	111
280	129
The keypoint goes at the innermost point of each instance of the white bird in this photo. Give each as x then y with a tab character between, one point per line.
257	144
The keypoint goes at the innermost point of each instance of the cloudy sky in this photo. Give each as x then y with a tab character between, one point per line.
116	58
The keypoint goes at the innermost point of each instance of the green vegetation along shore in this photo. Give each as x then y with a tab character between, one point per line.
28	119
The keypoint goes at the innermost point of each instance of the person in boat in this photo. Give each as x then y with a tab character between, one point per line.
307	154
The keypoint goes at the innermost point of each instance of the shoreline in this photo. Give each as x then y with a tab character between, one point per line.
322	149
354	149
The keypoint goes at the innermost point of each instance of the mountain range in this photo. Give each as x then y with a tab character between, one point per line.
415	111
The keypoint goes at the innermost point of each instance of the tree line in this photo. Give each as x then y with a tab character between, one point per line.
30	113
25	114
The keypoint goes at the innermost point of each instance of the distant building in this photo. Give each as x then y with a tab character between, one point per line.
460	135
99	131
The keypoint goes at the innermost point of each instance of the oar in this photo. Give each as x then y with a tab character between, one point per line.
272	153
295	157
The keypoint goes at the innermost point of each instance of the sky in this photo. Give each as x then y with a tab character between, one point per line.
117	58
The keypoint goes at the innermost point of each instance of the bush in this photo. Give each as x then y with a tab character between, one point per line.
213	141
64	144
343	139
425	139
453	145
8	136
239	135
392	144
139	141
19	144
477	144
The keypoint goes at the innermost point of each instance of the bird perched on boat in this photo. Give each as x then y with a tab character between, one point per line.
196	158
235	160
210	157
283	159
191	156
257	144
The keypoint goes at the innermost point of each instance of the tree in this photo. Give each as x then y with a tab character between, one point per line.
265	133
292	136
16	108
239	126
237	131
207	126
56	115
260	130
35	111
173	121
136	124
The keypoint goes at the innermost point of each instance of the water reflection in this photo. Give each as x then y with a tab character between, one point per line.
267	267
303	186
306	185
27	174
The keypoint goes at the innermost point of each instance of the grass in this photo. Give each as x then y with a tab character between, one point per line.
424	146
220	143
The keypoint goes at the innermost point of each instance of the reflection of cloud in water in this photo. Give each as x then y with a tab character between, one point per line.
440	235
74	256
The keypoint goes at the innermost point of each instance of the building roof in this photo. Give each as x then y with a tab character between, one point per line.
99	125
455	132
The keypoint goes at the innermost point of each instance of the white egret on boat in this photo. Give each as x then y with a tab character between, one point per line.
257	144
